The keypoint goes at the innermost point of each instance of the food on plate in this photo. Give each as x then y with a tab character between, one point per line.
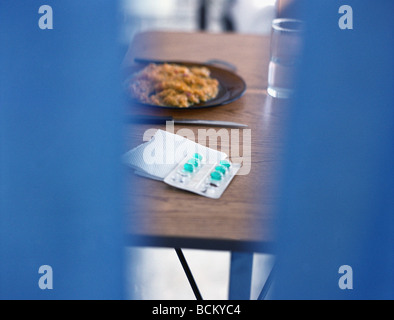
173	85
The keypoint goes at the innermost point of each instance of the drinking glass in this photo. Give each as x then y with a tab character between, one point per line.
286	50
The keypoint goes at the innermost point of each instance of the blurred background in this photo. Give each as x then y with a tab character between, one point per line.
243	16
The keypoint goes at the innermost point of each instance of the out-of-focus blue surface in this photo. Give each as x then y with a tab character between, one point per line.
336	205
60	122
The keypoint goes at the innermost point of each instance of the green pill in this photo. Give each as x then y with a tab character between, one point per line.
197	156
216	176
221	169
188	168
225	163
194	162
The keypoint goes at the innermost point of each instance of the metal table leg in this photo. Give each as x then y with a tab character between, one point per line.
189	274
240	275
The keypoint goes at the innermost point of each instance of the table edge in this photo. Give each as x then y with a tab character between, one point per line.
201	244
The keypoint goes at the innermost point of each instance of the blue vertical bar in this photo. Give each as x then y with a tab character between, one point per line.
337	191
61	141
241	264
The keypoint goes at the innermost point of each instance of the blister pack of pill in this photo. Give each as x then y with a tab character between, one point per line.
207	179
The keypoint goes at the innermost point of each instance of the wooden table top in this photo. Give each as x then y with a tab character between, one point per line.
242	219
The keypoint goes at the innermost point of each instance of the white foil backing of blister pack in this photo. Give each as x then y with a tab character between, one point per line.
165	155
156	158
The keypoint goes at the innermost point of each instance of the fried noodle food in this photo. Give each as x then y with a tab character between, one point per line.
173	85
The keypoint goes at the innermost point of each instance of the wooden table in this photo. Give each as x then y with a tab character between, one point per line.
242	219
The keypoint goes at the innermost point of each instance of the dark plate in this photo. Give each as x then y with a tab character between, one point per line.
231	86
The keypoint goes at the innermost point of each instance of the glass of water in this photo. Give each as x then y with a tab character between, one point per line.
286	50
